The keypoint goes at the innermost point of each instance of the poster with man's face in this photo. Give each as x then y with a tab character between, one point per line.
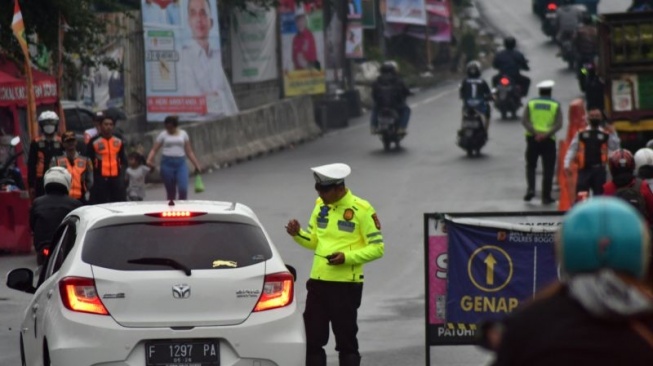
184	73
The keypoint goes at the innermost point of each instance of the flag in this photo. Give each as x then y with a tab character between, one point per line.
18	27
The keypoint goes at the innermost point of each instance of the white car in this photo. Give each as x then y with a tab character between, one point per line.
154	283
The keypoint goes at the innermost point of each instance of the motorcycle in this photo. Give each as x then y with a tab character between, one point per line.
10	177
480	105
567	51
472	135
507	96
388	128
550	20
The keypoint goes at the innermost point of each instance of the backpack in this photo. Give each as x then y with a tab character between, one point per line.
387	95
633	195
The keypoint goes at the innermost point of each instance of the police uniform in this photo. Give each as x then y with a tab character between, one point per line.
349	226
80	169
41	152
109	162
591	148
542	116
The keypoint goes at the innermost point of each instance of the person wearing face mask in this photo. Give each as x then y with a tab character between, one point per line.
591	148
41	152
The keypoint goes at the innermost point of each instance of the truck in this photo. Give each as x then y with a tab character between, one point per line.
626	67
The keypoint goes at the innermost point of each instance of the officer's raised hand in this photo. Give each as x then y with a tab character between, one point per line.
336	258
293	228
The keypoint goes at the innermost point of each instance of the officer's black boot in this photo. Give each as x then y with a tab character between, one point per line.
350	360
530	180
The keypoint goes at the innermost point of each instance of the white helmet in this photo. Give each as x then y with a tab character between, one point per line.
58	175
643	157
48	116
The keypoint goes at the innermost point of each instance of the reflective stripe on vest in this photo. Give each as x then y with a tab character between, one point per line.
76	171
543	115
106	156
42	144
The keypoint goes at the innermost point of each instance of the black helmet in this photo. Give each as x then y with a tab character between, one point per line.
510	43
474	69
388	67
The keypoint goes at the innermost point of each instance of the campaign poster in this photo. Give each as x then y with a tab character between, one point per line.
254	44
302	43
183	61
439	23
354	40
406	11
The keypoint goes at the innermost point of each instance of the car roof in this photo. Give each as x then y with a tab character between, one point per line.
120	210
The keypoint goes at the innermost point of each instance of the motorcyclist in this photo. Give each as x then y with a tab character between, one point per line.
601	311
644	165
41	152
594	88
49	210
569	16
586	40
473	87
389	91
510	62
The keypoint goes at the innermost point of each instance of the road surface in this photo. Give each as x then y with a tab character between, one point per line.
431	174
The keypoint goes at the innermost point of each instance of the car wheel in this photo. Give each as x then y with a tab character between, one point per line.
46	354
23	362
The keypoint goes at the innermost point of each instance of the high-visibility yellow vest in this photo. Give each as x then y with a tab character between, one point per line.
349	226
543	115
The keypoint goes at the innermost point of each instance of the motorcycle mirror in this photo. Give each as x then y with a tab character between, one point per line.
15	141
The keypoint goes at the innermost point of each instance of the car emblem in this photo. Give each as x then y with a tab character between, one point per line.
181	291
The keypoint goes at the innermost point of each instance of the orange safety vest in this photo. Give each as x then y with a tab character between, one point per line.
106	156
40	155
594	143
77	169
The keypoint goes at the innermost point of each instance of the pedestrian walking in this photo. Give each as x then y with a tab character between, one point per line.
136	174
542	119
591	148
602	311
175	147
79	167
49	210
41	152
344	233
107	152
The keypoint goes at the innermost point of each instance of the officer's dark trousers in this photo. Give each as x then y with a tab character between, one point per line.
336	303
107	190
547	150
591	178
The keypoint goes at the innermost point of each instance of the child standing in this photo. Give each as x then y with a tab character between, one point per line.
136	173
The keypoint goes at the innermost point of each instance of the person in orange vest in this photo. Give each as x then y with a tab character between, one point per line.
591	148
41	152
79	167
107	153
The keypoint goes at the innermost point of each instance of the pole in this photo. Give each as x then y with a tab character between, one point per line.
31	101
379	29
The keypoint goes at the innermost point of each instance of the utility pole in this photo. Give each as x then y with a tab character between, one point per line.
380	29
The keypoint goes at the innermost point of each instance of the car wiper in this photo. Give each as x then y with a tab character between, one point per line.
162	262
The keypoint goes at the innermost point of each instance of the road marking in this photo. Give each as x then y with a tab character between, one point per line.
432	99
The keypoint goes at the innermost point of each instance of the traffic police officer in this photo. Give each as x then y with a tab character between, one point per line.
590	148
345	233
542	119
41	152
79	167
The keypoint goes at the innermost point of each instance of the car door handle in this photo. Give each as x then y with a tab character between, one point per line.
35	308
50	293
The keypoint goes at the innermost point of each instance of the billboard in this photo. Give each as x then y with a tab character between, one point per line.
254	44
183	61
302	44
406	11
439	23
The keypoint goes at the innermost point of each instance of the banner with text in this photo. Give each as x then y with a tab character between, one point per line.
468	276
406	11
302	44
439	23
254	44
183	61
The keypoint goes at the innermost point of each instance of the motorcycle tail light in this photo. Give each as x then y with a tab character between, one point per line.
551	7
505	81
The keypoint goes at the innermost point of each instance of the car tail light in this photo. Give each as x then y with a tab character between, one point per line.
175	214
551	7
79	294
278	291
505	81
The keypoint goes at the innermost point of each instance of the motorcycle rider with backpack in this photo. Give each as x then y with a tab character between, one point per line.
389	91
626	185
475	88
510	62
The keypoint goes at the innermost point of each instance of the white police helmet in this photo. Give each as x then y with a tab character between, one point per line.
643	157
57	175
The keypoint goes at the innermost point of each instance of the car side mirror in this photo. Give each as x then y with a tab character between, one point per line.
21	279
292	271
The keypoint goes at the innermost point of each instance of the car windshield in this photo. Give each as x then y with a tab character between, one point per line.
195	245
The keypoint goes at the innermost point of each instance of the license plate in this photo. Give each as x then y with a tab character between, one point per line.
183	353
